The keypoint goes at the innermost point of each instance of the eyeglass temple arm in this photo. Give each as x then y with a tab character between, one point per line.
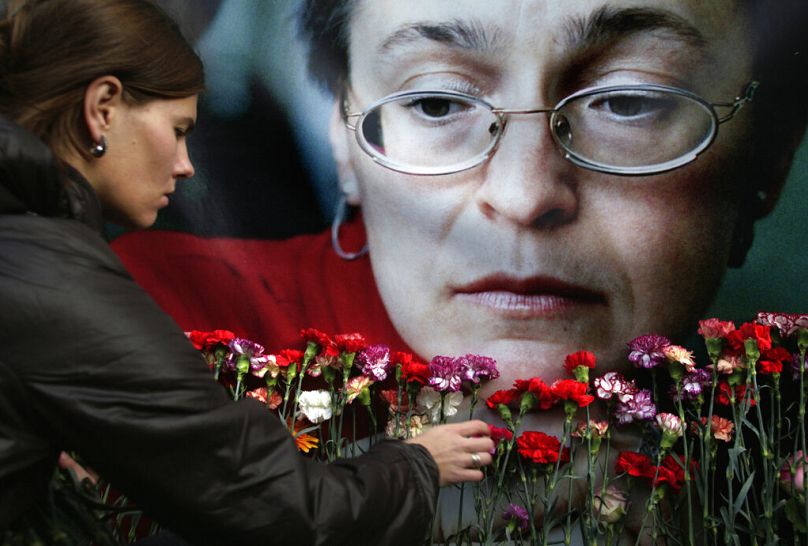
737	104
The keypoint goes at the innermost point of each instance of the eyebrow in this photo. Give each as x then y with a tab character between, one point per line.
607	25
458	33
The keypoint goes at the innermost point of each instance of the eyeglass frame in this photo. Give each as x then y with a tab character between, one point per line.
503	114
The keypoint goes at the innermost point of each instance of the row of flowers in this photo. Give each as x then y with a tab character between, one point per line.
722	447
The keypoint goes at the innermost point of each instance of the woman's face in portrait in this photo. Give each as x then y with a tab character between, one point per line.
528	257
147	154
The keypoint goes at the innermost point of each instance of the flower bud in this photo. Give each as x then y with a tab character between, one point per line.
611	506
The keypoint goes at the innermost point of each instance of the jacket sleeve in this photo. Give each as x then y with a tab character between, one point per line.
112	377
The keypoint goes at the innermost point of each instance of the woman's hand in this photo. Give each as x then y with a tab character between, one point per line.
459	449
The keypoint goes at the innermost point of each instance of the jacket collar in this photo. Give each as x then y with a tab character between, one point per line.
31	181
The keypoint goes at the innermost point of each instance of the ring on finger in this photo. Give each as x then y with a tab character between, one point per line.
475	460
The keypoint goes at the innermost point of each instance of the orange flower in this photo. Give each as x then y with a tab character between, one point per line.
306	442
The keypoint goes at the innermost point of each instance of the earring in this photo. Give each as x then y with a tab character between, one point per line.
339	218
100	148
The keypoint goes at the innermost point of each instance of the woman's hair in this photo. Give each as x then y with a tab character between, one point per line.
780	39
51	50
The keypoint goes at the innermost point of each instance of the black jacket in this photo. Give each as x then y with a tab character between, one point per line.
89	363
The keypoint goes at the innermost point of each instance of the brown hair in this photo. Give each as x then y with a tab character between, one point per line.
51	50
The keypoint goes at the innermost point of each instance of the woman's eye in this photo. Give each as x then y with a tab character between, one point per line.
632	106
180	132
437	107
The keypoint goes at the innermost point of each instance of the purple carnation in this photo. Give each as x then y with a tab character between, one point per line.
479	367
694	383
519	515
250	349
447	373
374	361
640	408
647	351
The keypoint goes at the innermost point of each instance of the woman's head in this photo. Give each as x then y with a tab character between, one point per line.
76	72
526	256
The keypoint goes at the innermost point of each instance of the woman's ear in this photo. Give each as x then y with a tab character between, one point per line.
339	137
102	99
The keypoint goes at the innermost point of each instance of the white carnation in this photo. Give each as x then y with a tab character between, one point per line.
315	405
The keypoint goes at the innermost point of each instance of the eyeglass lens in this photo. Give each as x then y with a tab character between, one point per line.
617	128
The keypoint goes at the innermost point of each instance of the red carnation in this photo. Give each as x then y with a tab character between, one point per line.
569	389
750	330
411	369
633	463
724	394
506	398
313	335
208	340
287	356
498	434
581	358
772	360
539	389
350	343
541	448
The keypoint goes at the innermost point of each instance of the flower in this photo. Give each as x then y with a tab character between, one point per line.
596	429
714	328
543	395
721	428
693	384
633	463
541	448
306	442
505	397
647	351
350	343
671	472
288	356
639	408
315	405
417	426
313	335
355	386
574	391
374	361
479	367
727	396
611	506
411	369
254	353
260	394
680	355
498	434
771	361
614	384
727	364
516	517
792	472
447	373
579	364
672	428
787	324
430	400
750	330
208	340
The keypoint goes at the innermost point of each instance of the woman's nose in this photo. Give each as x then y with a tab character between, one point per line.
183	167
528	181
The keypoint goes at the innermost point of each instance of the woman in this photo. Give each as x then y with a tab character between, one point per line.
91	365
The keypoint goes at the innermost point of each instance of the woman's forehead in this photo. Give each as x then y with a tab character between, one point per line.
386	33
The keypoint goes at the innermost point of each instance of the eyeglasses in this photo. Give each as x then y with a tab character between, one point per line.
626	129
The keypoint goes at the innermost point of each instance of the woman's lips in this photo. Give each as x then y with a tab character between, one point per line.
531	297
